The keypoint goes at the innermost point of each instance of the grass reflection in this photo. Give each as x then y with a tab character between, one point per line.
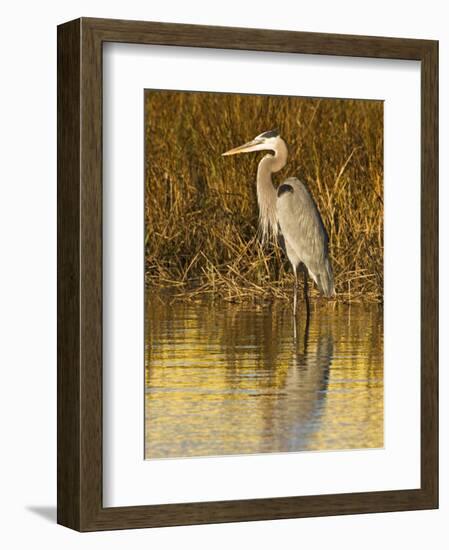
232	379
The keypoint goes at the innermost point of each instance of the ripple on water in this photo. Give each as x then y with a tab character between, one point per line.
226	379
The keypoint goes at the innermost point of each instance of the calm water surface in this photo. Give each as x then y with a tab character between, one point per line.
225	379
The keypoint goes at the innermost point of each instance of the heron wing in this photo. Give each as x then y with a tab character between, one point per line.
304	232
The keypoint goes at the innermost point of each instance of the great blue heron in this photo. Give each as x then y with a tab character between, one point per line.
290	211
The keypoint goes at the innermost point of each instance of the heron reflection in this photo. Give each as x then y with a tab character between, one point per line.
231	379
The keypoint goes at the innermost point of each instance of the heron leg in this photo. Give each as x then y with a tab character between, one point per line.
295	290
306	291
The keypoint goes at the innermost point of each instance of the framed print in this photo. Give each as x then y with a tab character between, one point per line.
247	274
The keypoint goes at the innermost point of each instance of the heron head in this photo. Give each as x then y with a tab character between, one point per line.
265	141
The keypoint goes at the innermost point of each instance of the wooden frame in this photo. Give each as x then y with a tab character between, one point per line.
80	274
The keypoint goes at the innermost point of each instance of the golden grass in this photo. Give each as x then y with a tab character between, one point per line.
201	233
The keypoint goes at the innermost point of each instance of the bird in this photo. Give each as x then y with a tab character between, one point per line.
288	213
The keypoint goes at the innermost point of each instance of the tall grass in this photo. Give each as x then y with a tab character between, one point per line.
201	233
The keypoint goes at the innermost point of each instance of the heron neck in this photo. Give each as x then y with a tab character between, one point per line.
274	163
266	193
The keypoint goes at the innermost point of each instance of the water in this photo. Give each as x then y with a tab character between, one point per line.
224	379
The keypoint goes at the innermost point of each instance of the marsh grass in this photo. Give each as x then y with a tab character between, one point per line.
201	217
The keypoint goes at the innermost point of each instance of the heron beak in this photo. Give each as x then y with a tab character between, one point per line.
246	148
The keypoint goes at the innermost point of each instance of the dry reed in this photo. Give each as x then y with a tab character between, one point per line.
201	233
